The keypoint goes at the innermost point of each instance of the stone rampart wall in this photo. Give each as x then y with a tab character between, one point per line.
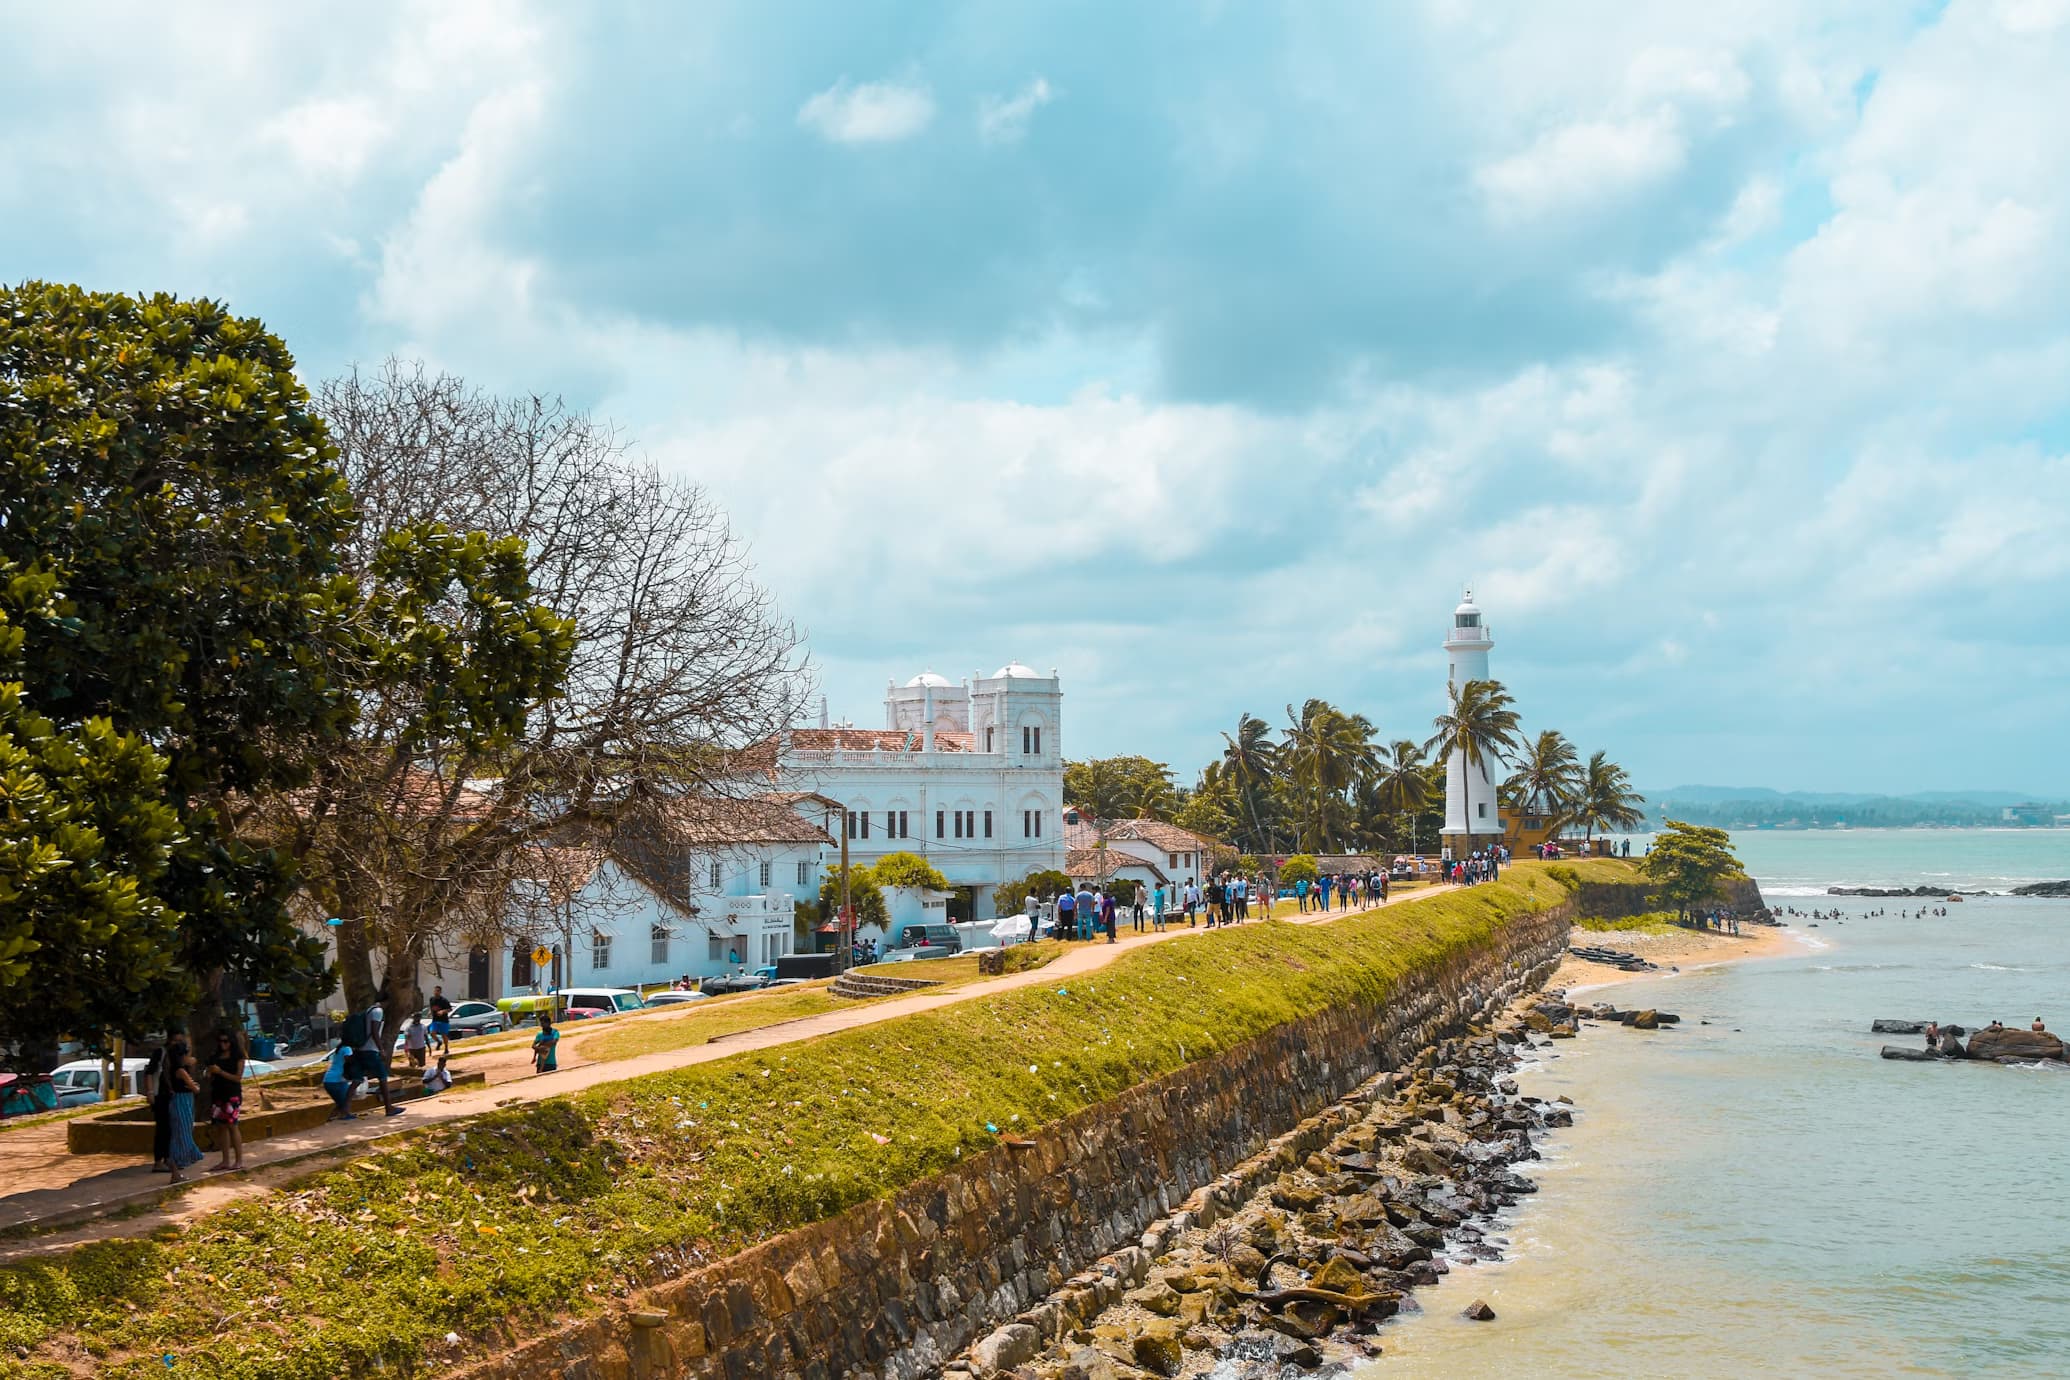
897	1286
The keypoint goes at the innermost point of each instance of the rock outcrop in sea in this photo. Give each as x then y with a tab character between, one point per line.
2058	890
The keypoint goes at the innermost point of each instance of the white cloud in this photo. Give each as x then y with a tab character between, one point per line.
328	137
1581	165
872	113
1004	119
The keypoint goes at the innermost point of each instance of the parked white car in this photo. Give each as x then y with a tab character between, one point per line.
79	1082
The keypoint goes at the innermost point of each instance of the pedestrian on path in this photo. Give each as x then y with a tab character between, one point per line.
158	1079
416	1036
1066	920
1088	907
1192	901
226	1101
441	1020
360	1033
338	1080
1157	908
182	1152
546	1045
1109	917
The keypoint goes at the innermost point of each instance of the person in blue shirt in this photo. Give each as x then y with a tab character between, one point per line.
1157	907
338	1081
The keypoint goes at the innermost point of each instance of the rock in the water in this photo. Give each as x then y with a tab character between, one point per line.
1890	1027
2014	1044
1646	1020
1911	1053
2058	890
1479	1311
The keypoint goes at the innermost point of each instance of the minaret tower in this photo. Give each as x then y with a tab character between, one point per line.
1469	791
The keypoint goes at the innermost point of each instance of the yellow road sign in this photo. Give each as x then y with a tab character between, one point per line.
541	956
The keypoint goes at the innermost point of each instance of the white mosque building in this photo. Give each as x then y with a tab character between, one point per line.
969	775
1473	817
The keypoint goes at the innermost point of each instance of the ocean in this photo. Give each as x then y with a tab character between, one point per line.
1757	1193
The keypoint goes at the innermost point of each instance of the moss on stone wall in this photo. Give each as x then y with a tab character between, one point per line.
499	1226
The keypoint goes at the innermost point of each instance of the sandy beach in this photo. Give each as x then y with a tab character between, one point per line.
1683	949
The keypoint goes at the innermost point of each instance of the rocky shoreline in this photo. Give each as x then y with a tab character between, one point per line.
2051	890
1289	1264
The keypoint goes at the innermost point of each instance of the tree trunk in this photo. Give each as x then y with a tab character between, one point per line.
400	981
356	963
208	1014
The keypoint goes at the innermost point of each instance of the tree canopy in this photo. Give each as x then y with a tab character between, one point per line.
862	894
907	869
1121	788
1043	884
161	469
1688	865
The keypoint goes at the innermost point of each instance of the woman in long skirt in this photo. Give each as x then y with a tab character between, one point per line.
184	1151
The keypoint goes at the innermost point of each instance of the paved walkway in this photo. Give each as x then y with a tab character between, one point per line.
48	1186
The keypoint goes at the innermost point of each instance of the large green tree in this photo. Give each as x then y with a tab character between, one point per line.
1689	865
85	833
160	463
1480	723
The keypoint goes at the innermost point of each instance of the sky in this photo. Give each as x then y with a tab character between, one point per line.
1207	352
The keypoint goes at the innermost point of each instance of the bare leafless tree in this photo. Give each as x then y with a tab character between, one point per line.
681	660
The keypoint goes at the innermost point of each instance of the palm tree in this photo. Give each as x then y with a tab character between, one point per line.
1403	783
1606	799
1481	726
1248	761
1329	753
1548	775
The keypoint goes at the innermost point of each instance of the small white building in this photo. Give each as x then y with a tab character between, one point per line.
1125	852
969	776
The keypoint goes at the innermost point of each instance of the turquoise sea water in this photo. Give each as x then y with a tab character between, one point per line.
1763	1194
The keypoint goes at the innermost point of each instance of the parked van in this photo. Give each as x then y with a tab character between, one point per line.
930	936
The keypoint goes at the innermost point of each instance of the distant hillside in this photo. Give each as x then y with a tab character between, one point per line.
1744	806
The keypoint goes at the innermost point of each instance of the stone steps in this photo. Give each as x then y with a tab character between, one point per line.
855	985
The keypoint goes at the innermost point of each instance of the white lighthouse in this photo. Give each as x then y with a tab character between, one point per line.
1472	816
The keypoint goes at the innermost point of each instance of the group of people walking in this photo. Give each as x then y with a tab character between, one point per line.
1228	898
1481	865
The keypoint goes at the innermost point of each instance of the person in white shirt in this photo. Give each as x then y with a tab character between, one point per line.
436	1078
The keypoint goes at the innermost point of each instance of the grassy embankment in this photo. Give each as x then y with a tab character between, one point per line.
545	1211
1653	922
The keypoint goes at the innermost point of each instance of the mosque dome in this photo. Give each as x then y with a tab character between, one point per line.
928	679
1013	670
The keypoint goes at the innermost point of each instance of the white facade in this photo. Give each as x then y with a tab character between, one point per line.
625	935
1472	811
968	775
